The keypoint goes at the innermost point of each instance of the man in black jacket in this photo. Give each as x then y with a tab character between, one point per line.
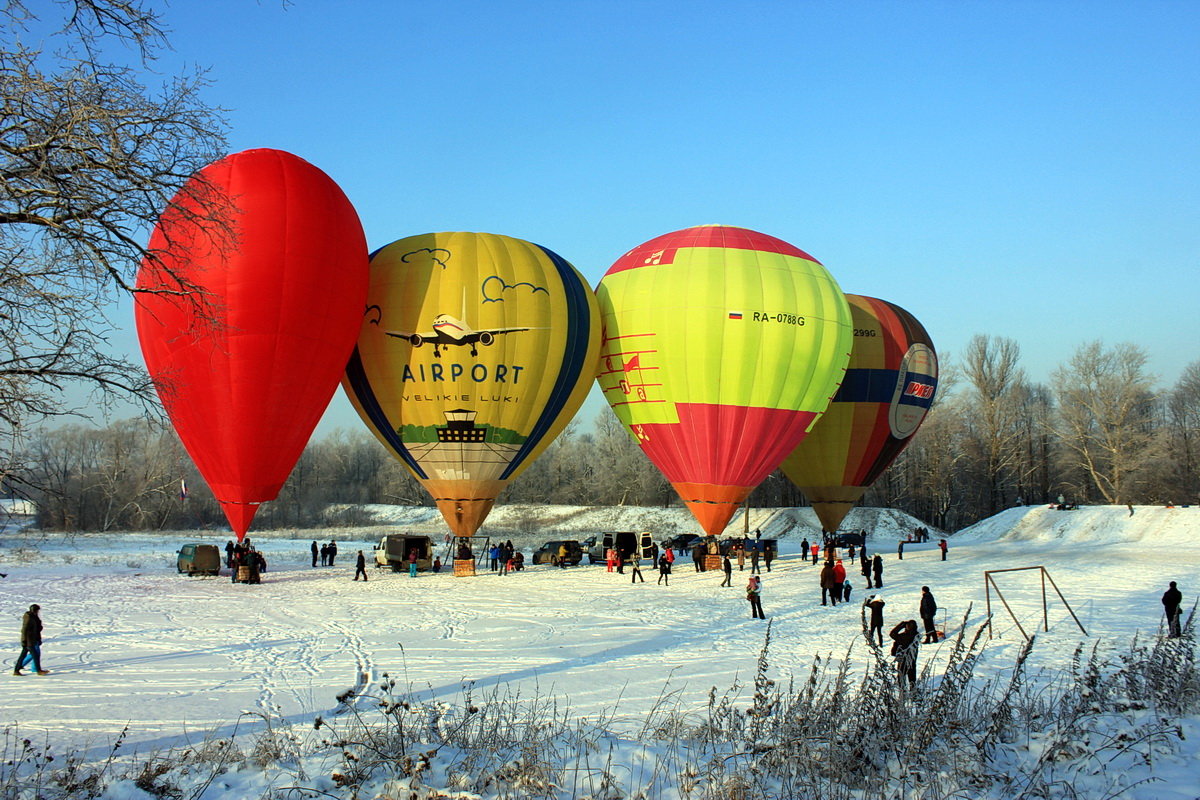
904	648
1171	600
31	641
928	610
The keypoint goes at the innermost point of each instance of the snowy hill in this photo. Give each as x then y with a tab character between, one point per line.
1089	525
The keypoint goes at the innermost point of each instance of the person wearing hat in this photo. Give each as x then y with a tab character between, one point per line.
875	603
31	641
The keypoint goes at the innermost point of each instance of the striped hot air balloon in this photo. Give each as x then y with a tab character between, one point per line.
888	389
721	347
475	351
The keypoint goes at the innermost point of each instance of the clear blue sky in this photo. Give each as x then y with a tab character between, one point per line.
1022	169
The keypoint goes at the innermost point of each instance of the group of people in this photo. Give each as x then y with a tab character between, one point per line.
327	553
243	554
504	558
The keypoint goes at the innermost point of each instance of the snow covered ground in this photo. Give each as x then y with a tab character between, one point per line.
132	644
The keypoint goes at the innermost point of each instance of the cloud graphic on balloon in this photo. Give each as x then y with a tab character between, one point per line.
493	288
435	254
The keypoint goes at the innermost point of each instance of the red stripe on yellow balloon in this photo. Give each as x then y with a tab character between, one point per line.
721	347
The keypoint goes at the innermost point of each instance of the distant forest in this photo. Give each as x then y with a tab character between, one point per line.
1100	432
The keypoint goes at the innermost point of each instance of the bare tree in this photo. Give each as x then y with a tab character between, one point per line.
991	367
89	157
1182	410
1106	419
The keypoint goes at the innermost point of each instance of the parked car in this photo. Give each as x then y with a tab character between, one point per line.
199	559
682	543
847	538
548	553
394	548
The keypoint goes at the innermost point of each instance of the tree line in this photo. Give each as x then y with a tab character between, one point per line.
1099	432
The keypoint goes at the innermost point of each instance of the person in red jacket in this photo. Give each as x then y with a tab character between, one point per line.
942	547
839	579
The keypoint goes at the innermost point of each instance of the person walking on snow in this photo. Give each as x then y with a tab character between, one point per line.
928	610
904	648
741	553
827	589
754	561
877	568
1171	600
839	579
360	566
727	565
635	559
875	604
815	550
864	565
31	641
664	569
754	595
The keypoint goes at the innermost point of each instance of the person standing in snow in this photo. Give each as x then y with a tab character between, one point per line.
816	548
315	550
360	566
904	648
839	579
1171	600
900	550
877	568
804	549
754	561
754	595
727	565
942	546
864	565
768	555
635	560
332	551
928	610
875	604
664	569
827	585
31	641
412	563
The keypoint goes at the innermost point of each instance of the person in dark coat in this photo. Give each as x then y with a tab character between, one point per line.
332	552
360	566
864	564
804	549
904	648
900	550
31	641
768	556
754	570
315	550
874	603
324	555
754	595
877	568
828	585
229	553
664	569
1171	600
727	565
928	610
698	557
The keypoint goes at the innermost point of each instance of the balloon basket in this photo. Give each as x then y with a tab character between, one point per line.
247	574
712	561
464	567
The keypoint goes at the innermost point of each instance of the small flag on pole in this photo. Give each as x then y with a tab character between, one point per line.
183	489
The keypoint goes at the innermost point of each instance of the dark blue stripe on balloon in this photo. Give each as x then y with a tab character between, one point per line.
867	386
357	378
579	323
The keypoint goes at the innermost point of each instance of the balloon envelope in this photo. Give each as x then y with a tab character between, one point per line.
721	347
888	389
246	365
475	351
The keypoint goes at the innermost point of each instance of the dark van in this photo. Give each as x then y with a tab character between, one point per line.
548	553
199	559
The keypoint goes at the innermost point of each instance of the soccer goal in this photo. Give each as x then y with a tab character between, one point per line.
990	585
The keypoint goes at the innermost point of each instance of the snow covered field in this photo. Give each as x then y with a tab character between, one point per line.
131	644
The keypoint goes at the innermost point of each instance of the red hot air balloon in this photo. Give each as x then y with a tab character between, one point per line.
272	260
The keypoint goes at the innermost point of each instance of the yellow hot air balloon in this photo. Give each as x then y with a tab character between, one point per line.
475	351
888	389
721	347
